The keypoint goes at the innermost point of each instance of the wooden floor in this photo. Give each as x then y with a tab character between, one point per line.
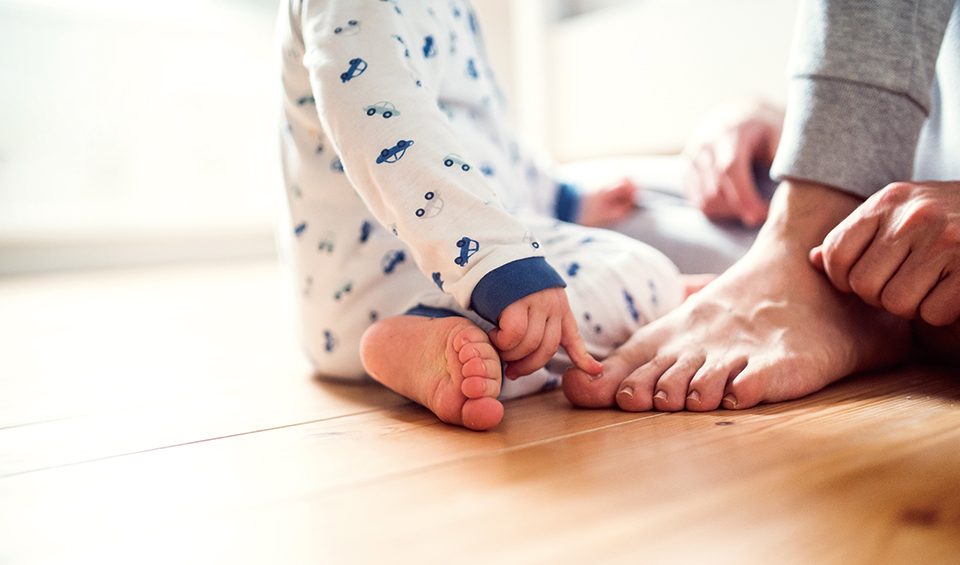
167	416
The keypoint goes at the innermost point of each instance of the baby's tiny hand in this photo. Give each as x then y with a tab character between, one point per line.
533	328
608	205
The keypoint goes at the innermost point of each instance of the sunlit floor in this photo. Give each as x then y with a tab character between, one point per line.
166	415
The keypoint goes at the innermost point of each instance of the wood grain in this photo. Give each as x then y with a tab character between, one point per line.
153	416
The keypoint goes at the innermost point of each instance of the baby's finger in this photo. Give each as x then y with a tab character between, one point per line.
816	257
547	348
512	327
535	323
573	344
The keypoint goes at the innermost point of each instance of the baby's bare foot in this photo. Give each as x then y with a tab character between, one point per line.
770	329
445	364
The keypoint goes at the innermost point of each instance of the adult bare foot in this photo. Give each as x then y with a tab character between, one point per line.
445	364
771	328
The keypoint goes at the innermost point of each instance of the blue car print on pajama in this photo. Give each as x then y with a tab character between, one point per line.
395	153
432	207
391	260
429	47
351	28
454	159
468	248
385	109
631	306
357	66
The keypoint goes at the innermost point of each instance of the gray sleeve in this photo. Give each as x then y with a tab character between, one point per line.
859	91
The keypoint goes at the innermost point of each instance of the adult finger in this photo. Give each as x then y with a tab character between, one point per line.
743	194
910	285
877	266
703	186
942	306
844	245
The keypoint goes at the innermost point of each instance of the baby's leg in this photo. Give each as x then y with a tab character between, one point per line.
446	364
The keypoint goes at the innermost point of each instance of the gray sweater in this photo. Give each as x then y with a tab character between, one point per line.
870	103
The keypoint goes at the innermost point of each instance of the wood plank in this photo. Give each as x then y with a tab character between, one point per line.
867	471
70	441
92	342
95	365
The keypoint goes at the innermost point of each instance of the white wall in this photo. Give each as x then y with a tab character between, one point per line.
637	76
133	132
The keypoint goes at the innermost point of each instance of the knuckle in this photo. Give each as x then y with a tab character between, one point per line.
934	314
895	193
864	287
898	304
949	239
921	215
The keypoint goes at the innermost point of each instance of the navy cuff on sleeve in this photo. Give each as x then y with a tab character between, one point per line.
505	285
430	312
567	205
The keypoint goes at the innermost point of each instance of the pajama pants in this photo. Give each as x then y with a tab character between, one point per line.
354	272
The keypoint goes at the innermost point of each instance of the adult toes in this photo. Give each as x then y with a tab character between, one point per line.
757	382
706	390
637	390
595	391
670	391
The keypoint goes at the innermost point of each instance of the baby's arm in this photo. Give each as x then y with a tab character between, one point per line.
531	329
900	251
412	169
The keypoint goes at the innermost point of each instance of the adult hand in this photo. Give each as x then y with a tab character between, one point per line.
721	153
900	251
531	329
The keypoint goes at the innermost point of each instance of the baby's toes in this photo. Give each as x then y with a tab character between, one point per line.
479	387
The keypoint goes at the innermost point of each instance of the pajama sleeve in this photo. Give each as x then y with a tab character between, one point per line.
374	81
859	91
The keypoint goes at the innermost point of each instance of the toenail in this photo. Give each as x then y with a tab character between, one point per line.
730	401
594	377
694	396
626	390
661	394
